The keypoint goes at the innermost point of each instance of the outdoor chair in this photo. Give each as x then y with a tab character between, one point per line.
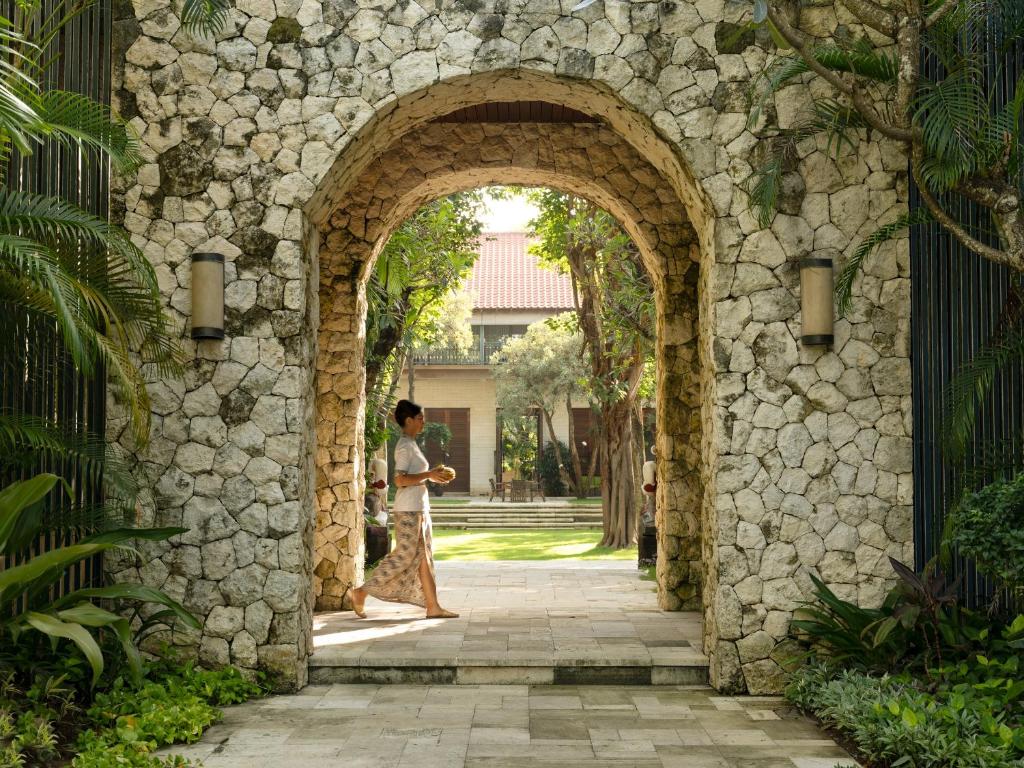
537	487
521	491
497	489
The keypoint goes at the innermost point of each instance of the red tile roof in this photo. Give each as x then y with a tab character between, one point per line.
506	276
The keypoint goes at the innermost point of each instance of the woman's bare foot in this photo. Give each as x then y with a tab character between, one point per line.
441	613
359	602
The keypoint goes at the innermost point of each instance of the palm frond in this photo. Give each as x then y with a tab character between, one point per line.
104	291
764	185
838	122
974	380
31	272
20	123
765	86
75	118
885	233
949	113
859	60
205	17
30	441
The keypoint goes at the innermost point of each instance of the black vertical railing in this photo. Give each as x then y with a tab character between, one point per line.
957	300
43	382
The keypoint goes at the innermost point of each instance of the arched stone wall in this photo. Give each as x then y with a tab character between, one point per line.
438	159
249	138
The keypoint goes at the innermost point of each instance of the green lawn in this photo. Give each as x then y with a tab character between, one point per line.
508	544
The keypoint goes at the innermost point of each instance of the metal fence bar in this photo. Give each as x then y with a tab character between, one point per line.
45	383
956	301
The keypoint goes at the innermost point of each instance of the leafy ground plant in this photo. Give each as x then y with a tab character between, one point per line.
899	721
26	605
53	723
918	625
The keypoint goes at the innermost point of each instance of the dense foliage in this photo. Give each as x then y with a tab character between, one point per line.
28	606
550	467
920	681
409	298
615	315
47	717
62	267
899	719
519	445
961	123
988	527
539	372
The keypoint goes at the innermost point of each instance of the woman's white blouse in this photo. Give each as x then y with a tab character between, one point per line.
409	459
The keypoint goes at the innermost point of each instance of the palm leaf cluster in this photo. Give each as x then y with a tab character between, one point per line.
961	121
62	266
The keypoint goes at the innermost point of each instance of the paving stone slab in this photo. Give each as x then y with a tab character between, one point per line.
521	622
512	726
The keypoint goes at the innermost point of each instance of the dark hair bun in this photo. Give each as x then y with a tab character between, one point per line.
406	409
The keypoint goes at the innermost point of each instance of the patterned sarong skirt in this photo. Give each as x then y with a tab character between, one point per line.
397	577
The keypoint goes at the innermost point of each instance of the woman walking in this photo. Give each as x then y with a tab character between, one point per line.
407	574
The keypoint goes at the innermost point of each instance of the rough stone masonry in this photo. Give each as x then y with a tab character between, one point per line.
780	462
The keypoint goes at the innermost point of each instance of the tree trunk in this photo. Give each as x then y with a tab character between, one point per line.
411	362
574	454
619	476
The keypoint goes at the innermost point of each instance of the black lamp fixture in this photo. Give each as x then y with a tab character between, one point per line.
816	290
207	296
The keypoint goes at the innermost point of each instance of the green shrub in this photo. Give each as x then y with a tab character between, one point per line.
988	527
25	604
123	725
918	624
893	720
549	467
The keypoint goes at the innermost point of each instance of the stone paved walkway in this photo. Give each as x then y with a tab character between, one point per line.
520	623
516	614
493	726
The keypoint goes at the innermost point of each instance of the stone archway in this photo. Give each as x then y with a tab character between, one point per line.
250	144
440	158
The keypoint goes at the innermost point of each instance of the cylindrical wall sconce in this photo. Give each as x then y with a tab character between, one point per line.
207	296
816	288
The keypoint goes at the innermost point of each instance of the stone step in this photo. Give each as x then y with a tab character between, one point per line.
476	671
514	524
510	516
512	510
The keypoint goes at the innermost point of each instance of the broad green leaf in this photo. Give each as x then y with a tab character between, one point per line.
45	568
121	535
16	497
131	592
79	635
88	614
883	630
